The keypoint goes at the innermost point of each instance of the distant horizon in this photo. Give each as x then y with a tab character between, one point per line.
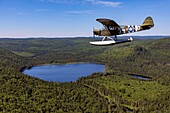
84	36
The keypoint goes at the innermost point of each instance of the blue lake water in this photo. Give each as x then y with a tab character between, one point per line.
64	72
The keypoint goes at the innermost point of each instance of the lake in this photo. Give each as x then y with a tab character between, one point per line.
64	72
141	77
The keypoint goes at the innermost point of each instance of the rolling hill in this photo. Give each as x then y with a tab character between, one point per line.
111	91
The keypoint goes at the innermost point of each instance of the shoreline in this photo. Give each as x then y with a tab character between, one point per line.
29	67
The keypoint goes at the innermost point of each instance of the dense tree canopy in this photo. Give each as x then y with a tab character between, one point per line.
111	91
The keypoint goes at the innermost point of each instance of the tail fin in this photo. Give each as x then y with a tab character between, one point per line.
148	23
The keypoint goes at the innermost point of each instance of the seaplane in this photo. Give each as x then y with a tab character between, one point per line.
111	28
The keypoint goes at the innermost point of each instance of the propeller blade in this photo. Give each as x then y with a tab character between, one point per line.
93	33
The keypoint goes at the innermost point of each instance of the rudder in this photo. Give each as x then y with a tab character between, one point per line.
148	22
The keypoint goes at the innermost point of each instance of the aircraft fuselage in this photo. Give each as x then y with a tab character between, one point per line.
111	28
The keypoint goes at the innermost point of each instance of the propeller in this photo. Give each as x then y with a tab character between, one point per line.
93	33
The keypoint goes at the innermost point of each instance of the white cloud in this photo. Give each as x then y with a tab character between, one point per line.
60	1
81	12
96	2
40	10
112	4
23	13
105	3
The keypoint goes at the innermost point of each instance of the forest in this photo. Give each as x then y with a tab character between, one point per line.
108	92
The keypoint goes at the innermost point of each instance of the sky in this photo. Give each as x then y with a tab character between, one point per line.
73	18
